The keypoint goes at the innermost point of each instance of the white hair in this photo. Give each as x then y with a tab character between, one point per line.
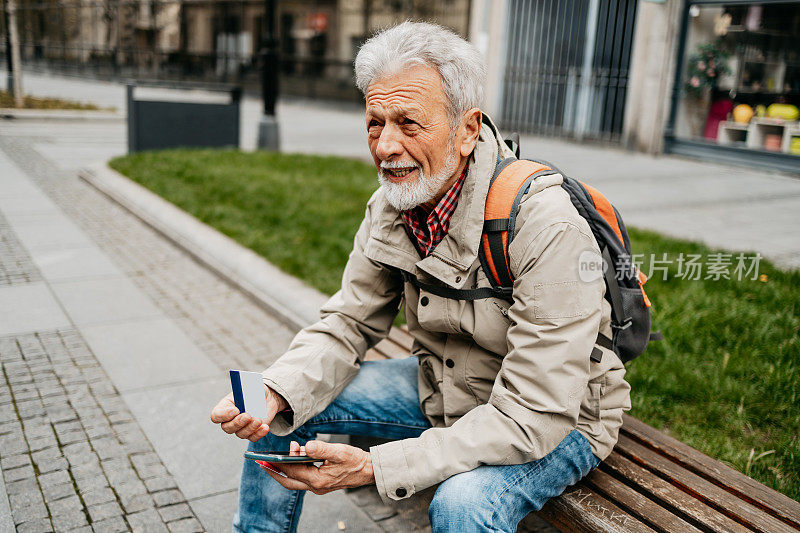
458	62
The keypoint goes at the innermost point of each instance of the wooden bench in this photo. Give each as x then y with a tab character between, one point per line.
653	482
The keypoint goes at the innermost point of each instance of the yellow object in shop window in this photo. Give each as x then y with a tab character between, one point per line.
794	146
784	111
742	113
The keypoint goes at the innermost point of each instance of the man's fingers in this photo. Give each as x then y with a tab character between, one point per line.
298	477
249	429
296	449
286	482
224	411
304	473
260	433
318	449
237	423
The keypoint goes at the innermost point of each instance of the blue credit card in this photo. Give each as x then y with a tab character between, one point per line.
249	393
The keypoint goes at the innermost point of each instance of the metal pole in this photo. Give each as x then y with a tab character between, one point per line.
268	131
9	61
586	71
16	60
366	14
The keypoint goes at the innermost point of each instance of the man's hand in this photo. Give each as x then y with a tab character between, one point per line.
243	425
344	467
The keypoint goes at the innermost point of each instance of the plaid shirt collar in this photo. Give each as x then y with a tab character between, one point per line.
428	229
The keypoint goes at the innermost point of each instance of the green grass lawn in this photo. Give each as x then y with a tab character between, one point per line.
726	379
33	102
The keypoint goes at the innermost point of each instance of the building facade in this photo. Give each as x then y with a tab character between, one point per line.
704	78
213	41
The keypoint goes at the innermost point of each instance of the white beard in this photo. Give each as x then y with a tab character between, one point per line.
409	194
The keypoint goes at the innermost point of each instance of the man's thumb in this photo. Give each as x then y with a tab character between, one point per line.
319	449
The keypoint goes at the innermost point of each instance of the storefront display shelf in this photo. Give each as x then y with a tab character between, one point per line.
760	128
732	133
733	154
791	139
737	54
753	135
762	33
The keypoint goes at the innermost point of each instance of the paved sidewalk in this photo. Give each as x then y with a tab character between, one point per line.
114	345
724	206
71	452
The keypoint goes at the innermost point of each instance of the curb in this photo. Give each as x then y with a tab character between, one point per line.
9	113
292	301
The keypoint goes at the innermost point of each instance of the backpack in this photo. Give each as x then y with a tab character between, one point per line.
630	307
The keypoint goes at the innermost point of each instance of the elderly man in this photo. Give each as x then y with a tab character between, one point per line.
499	403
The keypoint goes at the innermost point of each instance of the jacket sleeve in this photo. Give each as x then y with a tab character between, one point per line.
324	357
536	396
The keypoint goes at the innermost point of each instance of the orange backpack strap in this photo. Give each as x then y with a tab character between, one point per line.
605	209
509	184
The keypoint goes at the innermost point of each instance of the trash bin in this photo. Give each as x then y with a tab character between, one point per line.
176	115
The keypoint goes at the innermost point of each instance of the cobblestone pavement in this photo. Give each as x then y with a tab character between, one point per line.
15	267
72	457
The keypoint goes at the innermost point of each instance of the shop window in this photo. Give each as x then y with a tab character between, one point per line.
741	77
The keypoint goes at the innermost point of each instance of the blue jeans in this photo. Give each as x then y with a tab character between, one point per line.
382	401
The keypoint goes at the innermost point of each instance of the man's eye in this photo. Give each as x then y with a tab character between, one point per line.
373	123
408	122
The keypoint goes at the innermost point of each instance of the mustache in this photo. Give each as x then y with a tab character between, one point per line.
399	164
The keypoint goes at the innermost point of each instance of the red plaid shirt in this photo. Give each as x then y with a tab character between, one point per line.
437	222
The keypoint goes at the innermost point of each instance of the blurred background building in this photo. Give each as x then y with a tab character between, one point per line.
216	40
719	80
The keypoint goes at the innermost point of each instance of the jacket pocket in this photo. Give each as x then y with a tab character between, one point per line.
480	372
439	314
430	386
491	325
558	299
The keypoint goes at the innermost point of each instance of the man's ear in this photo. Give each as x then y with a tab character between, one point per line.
471	128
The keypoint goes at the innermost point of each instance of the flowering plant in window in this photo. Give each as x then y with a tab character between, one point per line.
705	66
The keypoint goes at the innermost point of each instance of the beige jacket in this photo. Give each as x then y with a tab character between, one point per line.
521	378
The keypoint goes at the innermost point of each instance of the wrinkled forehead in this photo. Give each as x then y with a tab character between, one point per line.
415	90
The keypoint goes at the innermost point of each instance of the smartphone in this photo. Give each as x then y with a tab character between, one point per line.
279	457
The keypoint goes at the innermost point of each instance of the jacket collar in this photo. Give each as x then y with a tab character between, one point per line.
457	252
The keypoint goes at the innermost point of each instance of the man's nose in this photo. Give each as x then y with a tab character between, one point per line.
389	145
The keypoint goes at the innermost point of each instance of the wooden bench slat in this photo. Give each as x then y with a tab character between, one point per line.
583	510
748	489
374	355
396	345
650	512
656	488
390	349
402	337
702	489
